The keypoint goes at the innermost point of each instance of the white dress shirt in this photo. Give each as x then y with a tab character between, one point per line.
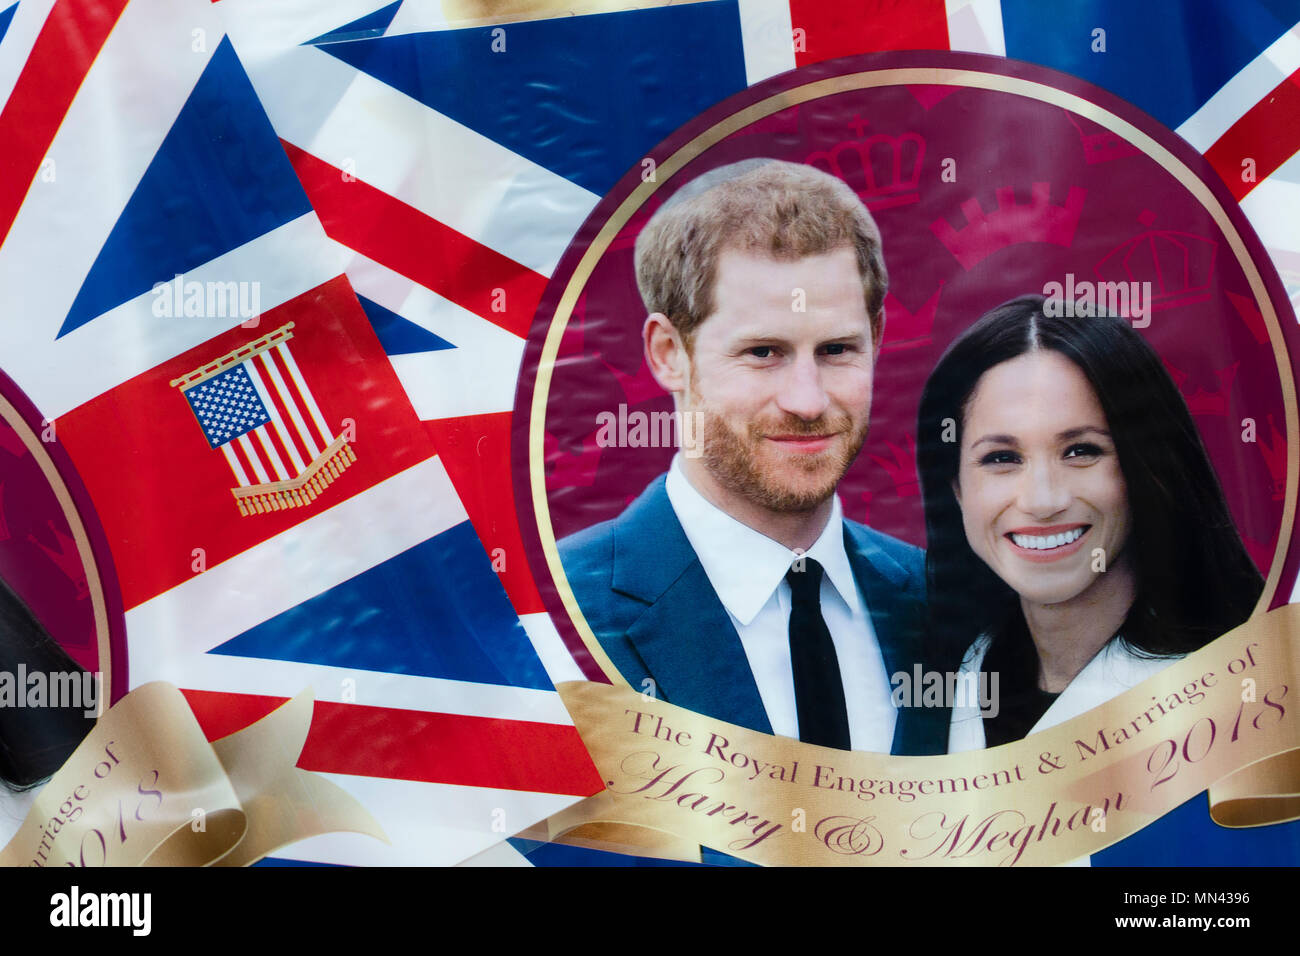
747	571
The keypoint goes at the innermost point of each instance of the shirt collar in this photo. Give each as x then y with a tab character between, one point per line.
745	566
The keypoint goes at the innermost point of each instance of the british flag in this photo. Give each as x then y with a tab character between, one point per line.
402	185
276	512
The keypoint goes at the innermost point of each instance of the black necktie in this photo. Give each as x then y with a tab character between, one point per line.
818	689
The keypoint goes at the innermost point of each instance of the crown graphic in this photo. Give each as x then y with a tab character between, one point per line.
1179	265
11	442
565	469
1100	145
65	558
1250	314
902	467
1203	401
1036	221
1274	452
904	329
865	497
637	388
884	170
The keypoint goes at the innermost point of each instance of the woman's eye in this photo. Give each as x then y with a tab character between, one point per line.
1083	450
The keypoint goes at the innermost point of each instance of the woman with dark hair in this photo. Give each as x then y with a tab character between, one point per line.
1077	537
39	734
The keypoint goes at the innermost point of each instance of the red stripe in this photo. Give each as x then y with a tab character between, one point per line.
867	26
405	240
263	440
244	463
295	395
68	43
290	430
415	745
475	450
1268	134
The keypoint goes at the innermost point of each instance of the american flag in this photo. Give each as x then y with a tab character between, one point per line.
255	406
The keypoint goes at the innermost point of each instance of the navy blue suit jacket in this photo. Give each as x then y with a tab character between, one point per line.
644	592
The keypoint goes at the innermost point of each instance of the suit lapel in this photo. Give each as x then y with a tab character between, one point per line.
685	637
892	600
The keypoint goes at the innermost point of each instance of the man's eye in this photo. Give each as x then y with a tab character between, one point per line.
835	348
1083	450
761	351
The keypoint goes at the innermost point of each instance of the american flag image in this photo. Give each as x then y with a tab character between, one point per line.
254	405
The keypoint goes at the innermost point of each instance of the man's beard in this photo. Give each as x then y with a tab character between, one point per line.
729	456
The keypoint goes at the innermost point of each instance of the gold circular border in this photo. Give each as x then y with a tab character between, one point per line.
79	536
843	84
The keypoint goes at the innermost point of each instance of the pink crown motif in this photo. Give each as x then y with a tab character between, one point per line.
884	170
11	442
637	388
904	329
1036	221
1203	401
1179	265
566	469
65	558
865	497
1274	452
1250	314
1100	145
902	467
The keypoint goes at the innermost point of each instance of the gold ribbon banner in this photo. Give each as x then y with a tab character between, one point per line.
147	788
1224	717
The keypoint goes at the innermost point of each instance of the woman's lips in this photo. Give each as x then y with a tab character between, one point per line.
1047	543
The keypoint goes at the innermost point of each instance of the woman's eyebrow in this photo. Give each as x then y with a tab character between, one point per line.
1080	431
998	440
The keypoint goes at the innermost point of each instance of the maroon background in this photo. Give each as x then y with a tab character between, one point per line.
38	557
1131	213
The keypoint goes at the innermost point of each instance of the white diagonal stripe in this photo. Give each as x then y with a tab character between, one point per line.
767	37
1235	98
303	561
976	26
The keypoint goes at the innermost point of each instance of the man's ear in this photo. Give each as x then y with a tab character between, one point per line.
665	353
877	333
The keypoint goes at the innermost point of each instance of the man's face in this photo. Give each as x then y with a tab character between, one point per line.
781	376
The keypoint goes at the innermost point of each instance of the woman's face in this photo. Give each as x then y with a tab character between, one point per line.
1042	496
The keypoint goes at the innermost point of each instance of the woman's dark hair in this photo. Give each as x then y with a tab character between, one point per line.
1194	578
35	741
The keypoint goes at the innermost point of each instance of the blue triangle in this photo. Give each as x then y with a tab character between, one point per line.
587	97
435	610
371	25
6	17
219	179
1164	56
400	336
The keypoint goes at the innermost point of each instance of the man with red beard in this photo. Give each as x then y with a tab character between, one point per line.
733	586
